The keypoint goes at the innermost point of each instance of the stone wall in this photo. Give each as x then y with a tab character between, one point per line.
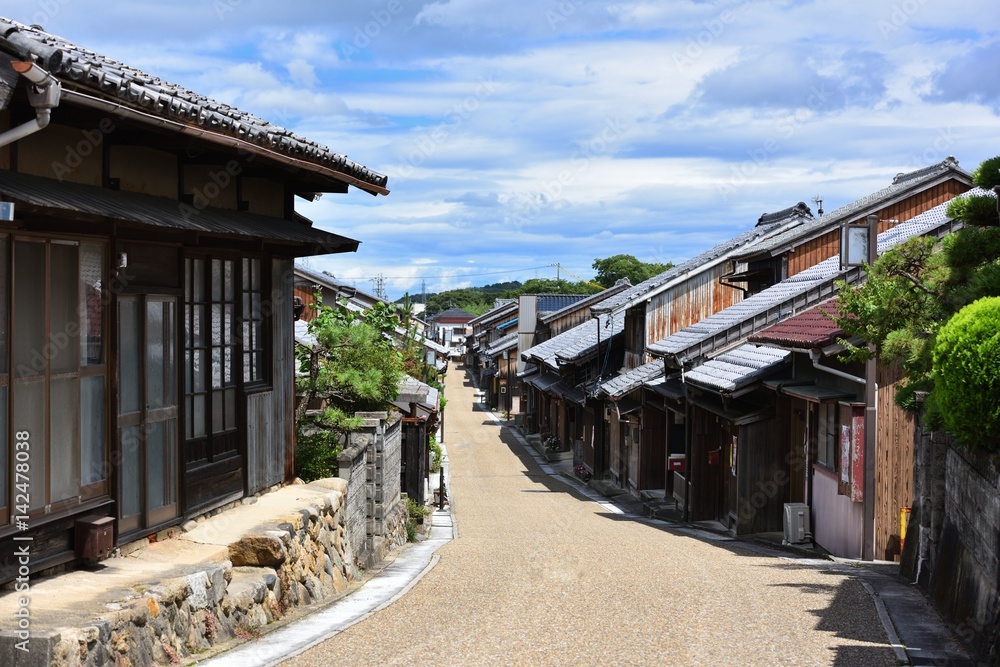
306	557
953	540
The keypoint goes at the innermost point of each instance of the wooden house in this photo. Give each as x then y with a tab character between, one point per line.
146	276
767	426
782	246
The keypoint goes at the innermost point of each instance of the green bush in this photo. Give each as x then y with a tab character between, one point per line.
967	374
437	454
987	174
976	210
316	453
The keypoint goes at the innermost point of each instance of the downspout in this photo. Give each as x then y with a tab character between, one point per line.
43	93
814	357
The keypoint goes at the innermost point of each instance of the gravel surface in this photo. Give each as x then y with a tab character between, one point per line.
542	576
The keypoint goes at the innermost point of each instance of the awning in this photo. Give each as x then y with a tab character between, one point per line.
810	392
736	411
626	405
567	391
671	388
88	204
544	382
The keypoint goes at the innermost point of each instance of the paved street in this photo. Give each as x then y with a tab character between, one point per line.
540	575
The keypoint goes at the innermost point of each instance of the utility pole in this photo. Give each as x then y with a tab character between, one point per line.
379	283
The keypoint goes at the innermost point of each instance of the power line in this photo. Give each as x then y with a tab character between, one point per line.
458	275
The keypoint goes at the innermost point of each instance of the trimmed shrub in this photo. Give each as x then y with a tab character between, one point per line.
987	174
316	452
976	210
967	374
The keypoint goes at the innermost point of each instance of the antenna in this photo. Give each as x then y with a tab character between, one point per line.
818	200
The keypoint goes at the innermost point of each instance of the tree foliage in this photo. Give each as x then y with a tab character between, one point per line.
354	365
611	269
913	290
967	374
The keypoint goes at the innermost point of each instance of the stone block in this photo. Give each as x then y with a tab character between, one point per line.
258	551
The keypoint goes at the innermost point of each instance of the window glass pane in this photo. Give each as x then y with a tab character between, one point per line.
198	281
246	274
216	368
255	282
29	308
131	501
63	346
93	466
188	268
160	463
218	425
128	363
248	371
91	304
230	409
199	336
228	325
199	416
217	324
4	334
228	366
155	362
216	280
64	425
199	370
230	280
4	471
29	415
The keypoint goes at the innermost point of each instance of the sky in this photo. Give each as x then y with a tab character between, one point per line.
518	135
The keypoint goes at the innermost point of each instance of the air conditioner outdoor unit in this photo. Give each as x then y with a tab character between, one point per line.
796	524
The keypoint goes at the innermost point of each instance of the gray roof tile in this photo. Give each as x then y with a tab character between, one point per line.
575	344
84	71
796	294
903	185
738	367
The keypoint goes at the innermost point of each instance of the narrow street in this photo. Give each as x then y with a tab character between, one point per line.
540	575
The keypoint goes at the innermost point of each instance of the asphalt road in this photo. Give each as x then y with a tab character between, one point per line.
540	575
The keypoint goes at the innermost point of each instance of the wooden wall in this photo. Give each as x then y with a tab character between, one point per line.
824	247
688	303
764	472
895	431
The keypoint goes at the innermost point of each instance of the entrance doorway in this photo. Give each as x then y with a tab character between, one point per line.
147	411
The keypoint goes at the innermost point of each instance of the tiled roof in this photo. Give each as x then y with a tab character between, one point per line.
792	295
657	283
737	368
617	288
811	329
627	382
902	186
498	311
501	345
575	344
412	390
333	283
551	303
90	78
96	204
453	314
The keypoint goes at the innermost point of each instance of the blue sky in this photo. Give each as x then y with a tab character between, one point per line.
521	134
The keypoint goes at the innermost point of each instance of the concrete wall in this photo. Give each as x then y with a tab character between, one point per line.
376	516
953	540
